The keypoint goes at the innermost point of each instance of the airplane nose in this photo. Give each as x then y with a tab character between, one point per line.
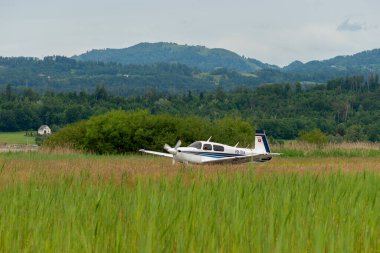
172	151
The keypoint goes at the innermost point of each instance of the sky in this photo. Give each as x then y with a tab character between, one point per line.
272	31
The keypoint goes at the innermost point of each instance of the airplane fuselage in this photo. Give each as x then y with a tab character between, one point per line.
207	152
212	151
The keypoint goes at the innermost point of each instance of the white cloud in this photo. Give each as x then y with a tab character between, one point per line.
350	26
347	26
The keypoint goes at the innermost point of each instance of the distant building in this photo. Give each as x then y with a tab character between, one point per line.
44	130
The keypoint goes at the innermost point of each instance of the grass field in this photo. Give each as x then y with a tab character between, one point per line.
70	202
356	149
15	138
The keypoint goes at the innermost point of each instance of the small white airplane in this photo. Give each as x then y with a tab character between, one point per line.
206	152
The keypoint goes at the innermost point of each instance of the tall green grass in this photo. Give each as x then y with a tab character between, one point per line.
193	212
352	149
324	153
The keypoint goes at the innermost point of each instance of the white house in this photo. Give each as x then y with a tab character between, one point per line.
44	130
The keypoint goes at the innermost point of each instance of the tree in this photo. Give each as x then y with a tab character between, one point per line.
100	93
298	87
315	136
8	92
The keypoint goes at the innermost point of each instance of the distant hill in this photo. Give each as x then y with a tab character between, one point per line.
358	64
200	57
209	60
172	68
58	73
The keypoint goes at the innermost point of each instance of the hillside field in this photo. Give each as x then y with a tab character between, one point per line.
69	202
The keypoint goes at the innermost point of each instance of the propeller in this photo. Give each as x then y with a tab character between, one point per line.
173	150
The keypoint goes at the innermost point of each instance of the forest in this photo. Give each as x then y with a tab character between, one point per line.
343	109
62	74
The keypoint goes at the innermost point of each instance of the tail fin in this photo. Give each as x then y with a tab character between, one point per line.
261	142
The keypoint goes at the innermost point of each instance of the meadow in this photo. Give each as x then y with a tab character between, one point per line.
343	150
16	138
63	201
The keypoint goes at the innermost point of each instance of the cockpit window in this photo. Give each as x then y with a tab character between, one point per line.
207	147
218	148
197	145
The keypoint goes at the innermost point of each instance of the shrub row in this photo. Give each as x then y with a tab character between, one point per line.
119	132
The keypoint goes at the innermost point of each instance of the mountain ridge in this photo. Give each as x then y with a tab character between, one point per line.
209	59
368	59
70	74
200	57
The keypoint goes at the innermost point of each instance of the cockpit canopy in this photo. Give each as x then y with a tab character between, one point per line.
197	145
207	146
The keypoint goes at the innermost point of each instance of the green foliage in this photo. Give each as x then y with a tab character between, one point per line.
315	136
40	139
121	132
225	128
347	111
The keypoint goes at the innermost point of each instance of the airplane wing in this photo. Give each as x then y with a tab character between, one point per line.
244	159
156	153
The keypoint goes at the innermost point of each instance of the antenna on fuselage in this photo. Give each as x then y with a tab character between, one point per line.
236	145
209	139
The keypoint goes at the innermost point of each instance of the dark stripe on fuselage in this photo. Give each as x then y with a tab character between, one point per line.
211	154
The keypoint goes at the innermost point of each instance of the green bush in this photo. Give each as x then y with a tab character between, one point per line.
119	132
40	139
315	136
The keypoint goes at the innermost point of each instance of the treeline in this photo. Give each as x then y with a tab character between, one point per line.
344	109
120	132
27	110
355	83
